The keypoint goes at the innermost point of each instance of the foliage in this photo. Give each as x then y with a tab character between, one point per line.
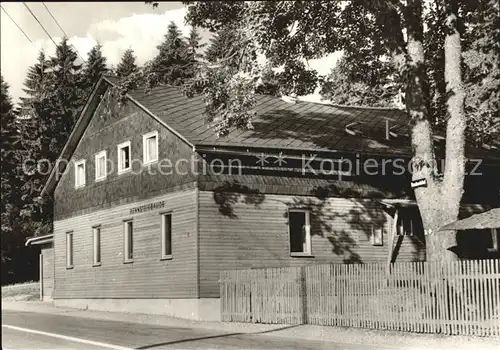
94	68
127	64
346	86
13	250
411	48
173	64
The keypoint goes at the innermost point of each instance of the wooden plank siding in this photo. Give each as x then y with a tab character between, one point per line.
107	203
147	276
105	131
48	270
255	234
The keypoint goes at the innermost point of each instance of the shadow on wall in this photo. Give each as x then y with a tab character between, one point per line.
361	218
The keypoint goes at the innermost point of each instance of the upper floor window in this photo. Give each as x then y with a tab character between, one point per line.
100	166
300	232
80	173
150	147
124	161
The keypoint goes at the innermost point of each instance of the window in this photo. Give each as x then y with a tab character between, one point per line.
494	240
100	166
405	226
166	236
124	157
377	234
128	241
96	243
80	173
69	250
150	147
299	230
409	222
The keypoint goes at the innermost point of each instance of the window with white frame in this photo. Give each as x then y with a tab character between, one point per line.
150	147
96	244
80	173
377	235
69	249
166	235
124	157
300	232
100	166
128	237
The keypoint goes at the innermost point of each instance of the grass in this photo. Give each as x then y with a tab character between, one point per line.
22	291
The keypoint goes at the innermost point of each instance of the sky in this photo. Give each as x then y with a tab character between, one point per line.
116	25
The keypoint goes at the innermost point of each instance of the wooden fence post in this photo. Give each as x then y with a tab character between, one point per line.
303	291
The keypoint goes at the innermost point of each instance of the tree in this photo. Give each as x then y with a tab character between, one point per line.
9	145
173	63
127	64
54	102
289	33
225	44
368	84
194	44
18	261
36	80
94	68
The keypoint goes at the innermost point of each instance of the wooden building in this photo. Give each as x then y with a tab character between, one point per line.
150	205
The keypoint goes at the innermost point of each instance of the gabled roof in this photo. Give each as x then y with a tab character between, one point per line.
278	125
302	126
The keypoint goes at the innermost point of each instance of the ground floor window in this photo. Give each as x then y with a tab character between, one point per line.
128	236
96	243
494	240
377	234
409	222
166	235
69	250
299	231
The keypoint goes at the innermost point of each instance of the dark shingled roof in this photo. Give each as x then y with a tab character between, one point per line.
284	125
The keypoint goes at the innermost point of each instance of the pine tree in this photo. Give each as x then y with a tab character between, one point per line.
36	80
194	44
172	65
94	68
127	64
53	107
67	86
224	46
18	262
9	143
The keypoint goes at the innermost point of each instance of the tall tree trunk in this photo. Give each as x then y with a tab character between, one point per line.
439	201
454	173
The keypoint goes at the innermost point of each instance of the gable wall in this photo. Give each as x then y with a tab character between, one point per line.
107	203
105	132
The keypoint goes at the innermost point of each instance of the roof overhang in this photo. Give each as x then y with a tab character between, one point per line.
398	203
487	220
40	240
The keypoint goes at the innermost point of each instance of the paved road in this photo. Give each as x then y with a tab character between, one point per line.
28	330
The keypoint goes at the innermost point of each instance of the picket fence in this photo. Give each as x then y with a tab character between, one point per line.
459	298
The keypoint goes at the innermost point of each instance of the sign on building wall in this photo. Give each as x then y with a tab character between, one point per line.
147	207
